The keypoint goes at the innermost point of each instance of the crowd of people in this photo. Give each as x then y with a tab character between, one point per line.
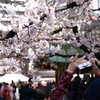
76	89
21	90
28	91
7	91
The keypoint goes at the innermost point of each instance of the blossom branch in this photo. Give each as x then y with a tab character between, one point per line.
71	5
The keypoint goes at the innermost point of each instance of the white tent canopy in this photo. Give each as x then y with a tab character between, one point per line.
15	77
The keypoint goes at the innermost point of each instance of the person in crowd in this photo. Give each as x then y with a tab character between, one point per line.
19	90
11	91
1	91
26	91
75	89
19	84
41	93
65	80
49	84
7	92
39	83
14	89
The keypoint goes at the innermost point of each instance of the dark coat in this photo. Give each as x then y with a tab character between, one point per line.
26	93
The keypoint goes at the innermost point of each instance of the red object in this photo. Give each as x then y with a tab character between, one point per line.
61	86
7	93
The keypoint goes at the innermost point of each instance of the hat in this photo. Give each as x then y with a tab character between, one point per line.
93	91
30	80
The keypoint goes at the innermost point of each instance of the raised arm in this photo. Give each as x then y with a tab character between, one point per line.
65	79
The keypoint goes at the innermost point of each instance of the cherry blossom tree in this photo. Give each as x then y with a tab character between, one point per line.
44	22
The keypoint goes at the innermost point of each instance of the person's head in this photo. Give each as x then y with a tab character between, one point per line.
42	93
6	84
77	78
30	82
93	90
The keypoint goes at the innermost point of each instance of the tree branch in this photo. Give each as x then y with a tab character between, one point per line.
10	34
71	5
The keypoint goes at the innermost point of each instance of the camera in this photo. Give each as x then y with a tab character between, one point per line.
84	67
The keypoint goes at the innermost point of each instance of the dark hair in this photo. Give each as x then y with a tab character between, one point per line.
77	78
0	85
30	80
41	92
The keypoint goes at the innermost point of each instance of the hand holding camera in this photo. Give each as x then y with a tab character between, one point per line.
74	62
88	66
95	66
81	65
